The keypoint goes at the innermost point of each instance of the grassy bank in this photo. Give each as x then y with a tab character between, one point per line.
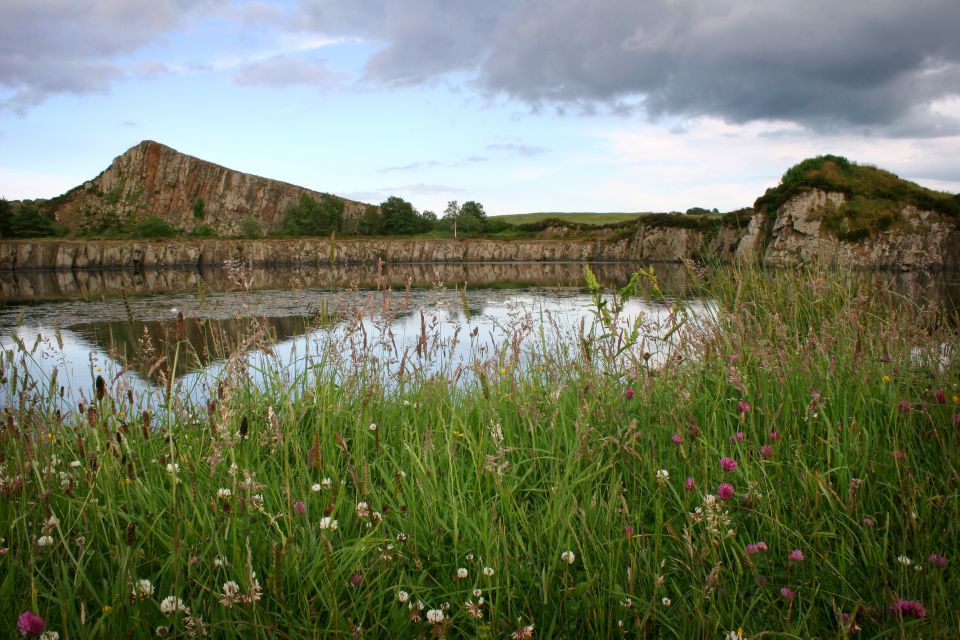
789	469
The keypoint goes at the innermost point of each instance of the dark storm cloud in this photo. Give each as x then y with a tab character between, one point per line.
71	46
876	64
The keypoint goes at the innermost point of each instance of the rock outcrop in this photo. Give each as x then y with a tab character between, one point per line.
921	240
153	179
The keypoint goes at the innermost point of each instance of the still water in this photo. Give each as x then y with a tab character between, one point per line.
59	331
65	329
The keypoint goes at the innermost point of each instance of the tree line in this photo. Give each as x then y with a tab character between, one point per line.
308	217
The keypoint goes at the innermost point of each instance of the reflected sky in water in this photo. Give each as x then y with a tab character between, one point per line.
441	331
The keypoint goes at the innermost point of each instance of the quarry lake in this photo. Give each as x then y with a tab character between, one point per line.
169	334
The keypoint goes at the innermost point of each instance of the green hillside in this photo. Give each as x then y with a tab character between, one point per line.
583	217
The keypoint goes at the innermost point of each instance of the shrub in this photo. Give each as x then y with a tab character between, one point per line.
250	227
154	227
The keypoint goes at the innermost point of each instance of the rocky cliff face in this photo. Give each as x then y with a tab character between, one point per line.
153	179
922	240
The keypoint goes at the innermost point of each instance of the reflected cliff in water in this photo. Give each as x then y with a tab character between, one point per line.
58	285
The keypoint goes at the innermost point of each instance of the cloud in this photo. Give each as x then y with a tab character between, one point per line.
286	71
65	46
523	150
877	65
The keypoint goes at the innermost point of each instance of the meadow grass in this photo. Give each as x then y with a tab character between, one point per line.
787	469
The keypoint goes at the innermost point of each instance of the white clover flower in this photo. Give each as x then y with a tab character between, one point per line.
403	596
477	593
328	523
173	468
904	560
663	475
666	602
488	571
435	616
220	561
53	521
143	588
326	483
373	426
315	487
568	556
363	509
626	603
45	541
461	573
231	589
172	604
161	631
224	493
75	464
50	635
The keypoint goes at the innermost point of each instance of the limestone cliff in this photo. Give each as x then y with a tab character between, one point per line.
919	240
153	179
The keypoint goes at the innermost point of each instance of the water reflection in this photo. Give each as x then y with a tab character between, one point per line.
442	332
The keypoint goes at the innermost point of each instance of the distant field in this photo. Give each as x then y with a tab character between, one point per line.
584	217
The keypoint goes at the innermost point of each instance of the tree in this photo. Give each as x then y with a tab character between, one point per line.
310	217
400	218
27	221
6	213
472	216
198	211
370	223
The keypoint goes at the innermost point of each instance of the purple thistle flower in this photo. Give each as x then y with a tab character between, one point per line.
937	561
728	464
940	396
689	483
725	491
677	438
629	393
356	579
787	593
773	436
766	452
30	624
299	506
904	407
903	607
743	407
868	521
796	556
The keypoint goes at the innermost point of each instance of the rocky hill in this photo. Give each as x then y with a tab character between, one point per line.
152	179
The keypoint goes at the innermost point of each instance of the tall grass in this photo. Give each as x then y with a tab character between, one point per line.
573	492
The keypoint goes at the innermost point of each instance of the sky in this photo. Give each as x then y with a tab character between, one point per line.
522	105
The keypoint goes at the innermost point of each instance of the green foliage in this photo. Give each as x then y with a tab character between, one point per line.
154	227
400	218
310	217
27	220
202	231
250	227
198	210
6	213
